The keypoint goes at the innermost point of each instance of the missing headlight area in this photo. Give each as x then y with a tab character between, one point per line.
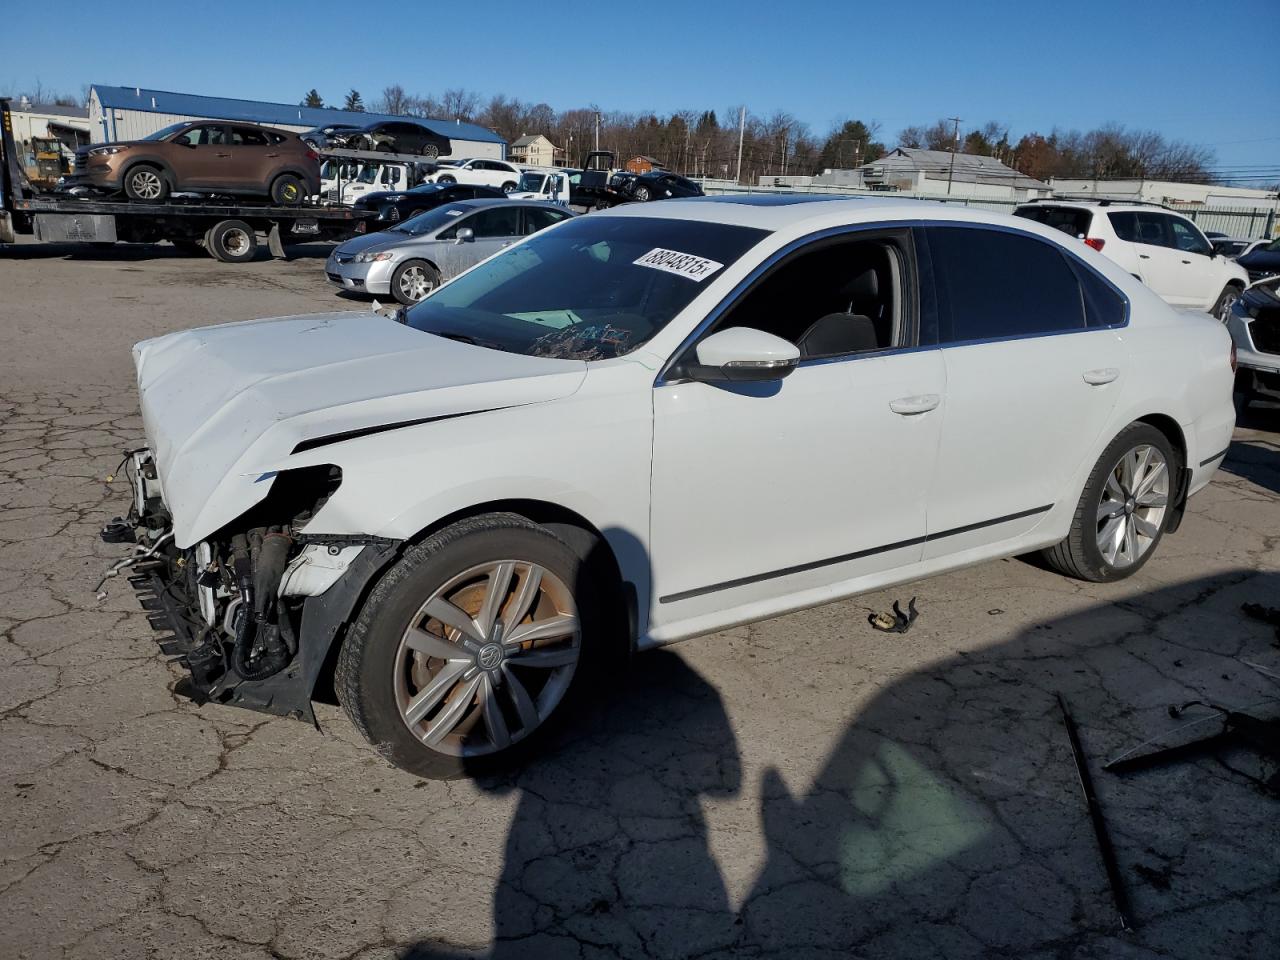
219	603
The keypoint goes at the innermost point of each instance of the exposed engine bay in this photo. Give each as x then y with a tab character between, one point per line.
232	606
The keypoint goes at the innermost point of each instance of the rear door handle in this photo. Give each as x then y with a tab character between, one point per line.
1144	256
910	406
1186	261
222	154
1100	376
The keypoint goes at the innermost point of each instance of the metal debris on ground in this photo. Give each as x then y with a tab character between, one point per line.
899	622
1119	895
1238	729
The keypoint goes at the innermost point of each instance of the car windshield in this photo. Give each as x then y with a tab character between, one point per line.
432	220
369	174
532	182
1272	247
592	288
167	131
427	188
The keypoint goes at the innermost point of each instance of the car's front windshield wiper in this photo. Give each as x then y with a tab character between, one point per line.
466	338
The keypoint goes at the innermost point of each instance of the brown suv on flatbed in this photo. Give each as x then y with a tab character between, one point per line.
204	156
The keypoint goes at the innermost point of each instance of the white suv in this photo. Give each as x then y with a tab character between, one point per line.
481	173
1165	251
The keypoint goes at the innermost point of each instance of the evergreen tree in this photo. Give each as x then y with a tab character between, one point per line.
353	101
313	99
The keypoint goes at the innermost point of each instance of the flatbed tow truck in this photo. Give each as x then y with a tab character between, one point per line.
227	229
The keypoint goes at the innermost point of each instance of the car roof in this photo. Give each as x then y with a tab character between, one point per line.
1102	204
479	202
778	211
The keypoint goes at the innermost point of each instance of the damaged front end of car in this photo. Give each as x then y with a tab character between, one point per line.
252	610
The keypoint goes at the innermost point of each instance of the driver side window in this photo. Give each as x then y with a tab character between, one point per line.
1187	238
835	298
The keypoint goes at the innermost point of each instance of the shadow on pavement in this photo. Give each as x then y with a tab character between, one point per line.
947	822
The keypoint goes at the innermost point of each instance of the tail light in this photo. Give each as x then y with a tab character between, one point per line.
1096	242
1233	356
312	155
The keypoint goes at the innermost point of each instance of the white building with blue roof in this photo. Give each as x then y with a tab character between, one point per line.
129	113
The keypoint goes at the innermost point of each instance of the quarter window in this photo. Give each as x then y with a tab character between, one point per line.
993	284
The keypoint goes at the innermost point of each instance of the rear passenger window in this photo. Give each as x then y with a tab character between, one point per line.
1103	306
1125	225
993	284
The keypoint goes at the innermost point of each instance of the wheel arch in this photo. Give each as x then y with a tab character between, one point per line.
579	533
166	171
1182	480
1170	428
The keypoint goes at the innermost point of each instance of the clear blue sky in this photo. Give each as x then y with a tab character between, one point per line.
1187	69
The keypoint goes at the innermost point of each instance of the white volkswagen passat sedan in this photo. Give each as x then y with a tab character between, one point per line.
639	426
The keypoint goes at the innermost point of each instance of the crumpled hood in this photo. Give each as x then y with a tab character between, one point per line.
225	405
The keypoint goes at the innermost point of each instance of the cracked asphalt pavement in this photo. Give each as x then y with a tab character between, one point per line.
803	787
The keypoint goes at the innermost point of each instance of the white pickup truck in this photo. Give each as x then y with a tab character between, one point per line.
375	177
480	172
543	184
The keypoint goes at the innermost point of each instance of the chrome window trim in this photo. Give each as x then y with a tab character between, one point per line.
739	288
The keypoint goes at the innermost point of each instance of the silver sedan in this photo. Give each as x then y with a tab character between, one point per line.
412	258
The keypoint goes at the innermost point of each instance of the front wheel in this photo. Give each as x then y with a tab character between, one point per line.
145	184
413	280
1121	514
447	180
1226	300
642	194
431	151
469	647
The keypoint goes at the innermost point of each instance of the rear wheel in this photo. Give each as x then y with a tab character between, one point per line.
287	189
145	184
413	280
469	647
231	241
1121	514
447	179
431	151
509	187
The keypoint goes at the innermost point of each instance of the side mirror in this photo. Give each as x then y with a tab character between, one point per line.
466	235
183	141
742	354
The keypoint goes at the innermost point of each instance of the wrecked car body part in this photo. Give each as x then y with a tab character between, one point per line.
141	553
1119	894
898	623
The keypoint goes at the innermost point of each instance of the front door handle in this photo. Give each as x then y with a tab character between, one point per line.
911	406
1100	376
1144	256
222	154
1186	261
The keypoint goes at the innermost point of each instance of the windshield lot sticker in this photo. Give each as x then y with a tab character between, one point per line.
696	269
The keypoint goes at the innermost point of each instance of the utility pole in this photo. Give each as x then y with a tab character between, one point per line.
742	128
955	142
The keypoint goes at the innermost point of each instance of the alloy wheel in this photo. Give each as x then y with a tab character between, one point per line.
145	184
487	659
1226	303
1132	508
415	284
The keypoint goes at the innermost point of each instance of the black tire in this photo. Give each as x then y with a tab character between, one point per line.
430	151
231	241
188	248
412	274
642	194
509	187
288	189
1079	555
144	183
367	670
446	179
382	146
1226	299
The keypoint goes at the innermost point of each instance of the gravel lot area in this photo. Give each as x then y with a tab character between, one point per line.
804	787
